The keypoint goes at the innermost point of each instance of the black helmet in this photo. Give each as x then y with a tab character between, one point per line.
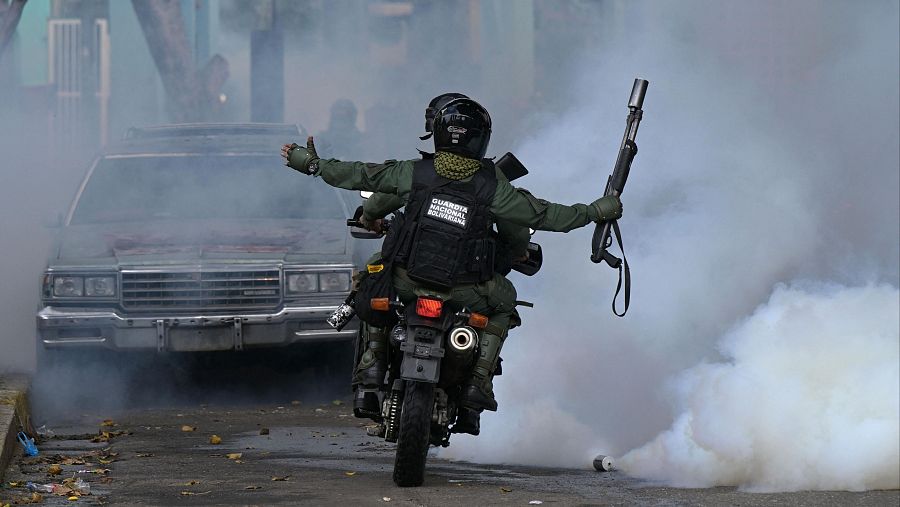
434	106
463	127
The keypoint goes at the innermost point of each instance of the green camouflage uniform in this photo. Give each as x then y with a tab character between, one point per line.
515	210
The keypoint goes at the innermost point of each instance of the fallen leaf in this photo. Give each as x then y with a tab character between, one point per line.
36	498
251	488
264	431
72	498
349	474
238	461
191	483
145	455
191	493
215	440
295	403
187	428
337	403
72	461
108	423
320	411
234	455
276	478
16	484
505	490
54	470
386	499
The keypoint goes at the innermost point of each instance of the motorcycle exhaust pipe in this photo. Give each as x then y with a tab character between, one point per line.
463	339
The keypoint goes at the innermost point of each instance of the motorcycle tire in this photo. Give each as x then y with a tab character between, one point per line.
414	437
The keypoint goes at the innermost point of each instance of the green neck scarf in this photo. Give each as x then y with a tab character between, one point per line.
455	167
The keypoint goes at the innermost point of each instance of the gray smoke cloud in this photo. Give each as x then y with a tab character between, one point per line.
761	221
753	171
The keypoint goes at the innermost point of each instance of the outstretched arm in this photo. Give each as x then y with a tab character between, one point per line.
518	206
391	177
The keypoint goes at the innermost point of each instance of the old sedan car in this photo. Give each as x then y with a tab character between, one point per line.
196	238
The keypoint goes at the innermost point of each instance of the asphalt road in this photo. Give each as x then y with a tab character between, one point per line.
315	453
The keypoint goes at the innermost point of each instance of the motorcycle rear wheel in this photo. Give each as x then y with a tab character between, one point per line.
415	429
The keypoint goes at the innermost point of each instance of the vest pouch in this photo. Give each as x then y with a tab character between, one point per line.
377	283
435	256
482	254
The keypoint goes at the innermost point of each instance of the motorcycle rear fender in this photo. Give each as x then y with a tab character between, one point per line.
422	353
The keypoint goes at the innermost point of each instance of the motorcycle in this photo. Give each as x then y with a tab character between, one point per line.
433	348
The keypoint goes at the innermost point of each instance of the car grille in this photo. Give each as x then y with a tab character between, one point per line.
201	289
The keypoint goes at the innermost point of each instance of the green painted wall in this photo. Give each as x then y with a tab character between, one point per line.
31	43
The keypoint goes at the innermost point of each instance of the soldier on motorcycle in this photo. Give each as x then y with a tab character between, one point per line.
512	243
444	244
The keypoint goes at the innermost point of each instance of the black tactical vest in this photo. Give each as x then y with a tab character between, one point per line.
445	238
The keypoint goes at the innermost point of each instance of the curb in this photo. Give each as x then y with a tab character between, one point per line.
13	408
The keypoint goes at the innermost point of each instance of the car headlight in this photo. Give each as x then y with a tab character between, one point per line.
100	286
68	286
334	282
298	283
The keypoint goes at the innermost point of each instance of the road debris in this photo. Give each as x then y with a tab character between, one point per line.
28	443
282	478
215	440
108	423
44	432
54	470
187	428
264	431
105	436
349	474
505	490
69	487
252	488
192	493
234	455
385	499
535	502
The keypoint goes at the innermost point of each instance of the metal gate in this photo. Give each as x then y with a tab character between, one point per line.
79	72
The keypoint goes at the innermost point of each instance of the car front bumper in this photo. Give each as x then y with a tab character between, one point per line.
60	327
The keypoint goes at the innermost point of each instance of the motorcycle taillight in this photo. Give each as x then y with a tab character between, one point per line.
428	307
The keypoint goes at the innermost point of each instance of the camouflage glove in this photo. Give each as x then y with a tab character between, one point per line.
607	208
304	160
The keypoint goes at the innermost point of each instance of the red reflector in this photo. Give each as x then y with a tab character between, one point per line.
427	307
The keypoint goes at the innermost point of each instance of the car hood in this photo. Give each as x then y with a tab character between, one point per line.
203	239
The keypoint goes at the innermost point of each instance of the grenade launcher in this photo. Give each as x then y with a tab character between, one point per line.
615	184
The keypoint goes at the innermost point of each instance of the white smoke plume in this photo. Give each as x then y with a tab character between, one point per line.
753	183
806	399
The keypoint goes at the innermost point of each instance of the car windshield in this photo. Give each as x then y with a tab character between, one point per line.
147	188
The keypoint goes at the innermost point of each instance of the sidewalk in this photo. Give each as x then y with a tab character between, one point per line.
13	408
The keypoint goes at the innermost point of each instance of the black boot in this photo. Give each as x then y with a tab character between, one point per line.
365	404
467	421
370	373
479	393
474	397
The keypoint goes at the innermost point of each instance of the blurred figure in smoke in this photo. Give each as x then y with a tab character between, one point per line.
342	139
452	202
